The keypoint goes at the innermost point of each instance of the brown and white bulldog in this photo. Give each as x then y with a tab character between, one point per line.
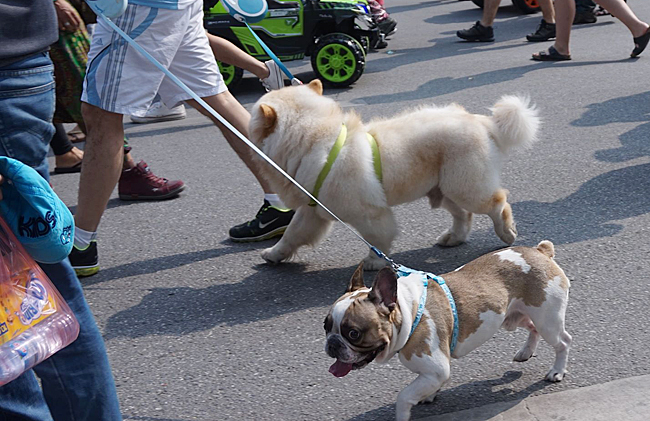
509	288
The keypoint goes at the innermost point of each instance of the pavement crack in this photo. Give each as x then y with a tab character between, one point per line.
529	411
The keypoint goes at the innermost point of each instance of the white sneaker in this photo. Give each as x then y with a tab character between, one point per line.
159	112
275	79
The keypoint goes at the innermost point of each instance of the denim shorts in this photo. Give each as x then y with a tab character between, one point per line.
26	110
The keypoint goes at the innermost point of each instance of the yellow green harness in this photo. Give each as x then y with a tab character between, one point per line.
334	152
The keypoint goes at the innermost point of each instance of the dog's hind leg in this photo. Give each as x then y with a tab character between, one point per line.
305	228
528	350
501	214
380	230
461	227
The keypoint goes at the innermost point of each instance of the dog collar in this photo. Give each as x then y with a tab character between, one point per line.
334	153
404	271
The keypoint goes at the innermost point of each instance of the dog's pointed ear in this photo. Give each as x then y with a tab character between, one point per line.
384	288
317	86
356	282
270	119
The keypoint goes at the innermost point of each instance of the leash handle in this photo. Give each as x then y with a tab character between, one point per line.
229	126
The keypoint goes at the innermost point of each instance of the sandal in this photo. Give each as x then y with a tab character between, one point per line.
76	135
68	170
602	11
551	55
640	43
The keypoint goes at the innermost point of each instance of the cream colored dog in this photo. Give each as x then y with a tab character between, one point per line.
444	153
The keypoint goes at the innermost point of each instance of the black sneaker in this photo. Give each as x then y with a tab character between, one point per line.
544	32
268	223
85	262
478	33
583	17
387	26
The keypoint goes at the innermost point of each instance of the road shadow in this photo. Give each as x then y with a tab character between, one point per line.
592	211
629	109
270	292
466	396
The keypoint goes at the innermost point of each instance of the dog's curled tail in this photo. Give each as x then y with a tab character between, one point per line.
516	122
546	248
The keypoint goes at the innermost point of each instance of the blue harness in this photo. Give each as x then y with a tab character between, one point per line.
404	271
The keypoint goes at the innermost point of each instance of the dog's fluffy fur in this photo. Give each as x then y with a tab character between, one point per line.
444	153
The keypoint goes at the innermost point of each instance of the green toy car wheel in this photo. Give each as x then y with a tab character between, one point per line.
231	75
338	60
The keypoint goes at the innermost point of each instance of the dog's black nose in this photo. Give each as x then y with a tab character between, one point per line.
334	346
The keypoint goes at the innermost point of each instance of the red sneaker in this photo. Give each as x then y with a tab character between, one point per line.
139	183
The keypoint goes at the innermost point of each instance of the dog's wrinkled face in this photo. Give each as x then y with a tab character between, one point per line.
360	324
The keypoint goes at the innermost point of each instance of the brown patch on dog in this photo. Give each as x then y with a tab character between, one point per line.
270	121
490	284
356	282
317	86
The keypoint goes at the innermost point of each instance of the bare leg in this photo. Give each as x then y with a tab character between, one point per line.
565	11
102	164
228	107
622	11
490	8
548	11
227	52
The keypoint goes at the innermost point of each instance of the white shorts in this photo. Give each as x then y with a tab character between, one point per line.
120	80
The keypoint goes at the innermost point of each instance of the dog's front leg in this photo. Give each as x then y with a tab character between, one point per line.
423	388
305	228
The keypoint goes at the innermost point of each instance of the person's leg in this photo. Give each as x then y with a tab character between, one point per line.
77	380
102	165
622	11
548	11
490	8
565	11
228	107
67	157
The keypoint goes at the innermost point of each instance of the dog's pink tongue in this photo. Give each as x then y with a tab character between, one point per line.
340	369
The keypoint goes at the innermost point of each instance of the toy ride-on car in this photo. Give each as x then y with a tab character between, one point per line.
337	34
526	6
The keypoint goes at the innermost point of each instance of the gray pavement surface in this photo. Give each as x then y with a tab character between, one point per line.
199	328
625	399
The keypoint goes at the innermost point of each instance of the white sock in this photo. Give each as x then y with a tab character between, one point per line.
274	200
82	238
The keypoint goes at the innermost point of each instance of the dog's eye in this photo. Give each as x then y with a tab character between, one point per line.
354	334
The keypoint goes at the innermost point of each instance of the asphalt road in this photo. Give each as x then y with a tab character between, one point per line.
199	328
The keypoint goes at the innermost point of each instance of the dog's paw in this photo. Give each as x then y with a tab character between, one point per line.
509	235
449	239
272	256
373	263
524	354
555	375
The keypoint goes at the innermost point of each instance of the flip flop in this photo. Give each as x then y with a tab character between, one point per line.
640	43
68	170
551	55
76	135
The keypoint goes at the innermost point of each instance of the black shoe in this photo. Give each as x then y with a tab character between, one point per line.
584	17
387	26
544	32
85	262
268	223
477	32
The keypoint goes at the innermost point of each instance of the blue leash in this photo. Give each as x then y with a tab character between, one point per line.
292	78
